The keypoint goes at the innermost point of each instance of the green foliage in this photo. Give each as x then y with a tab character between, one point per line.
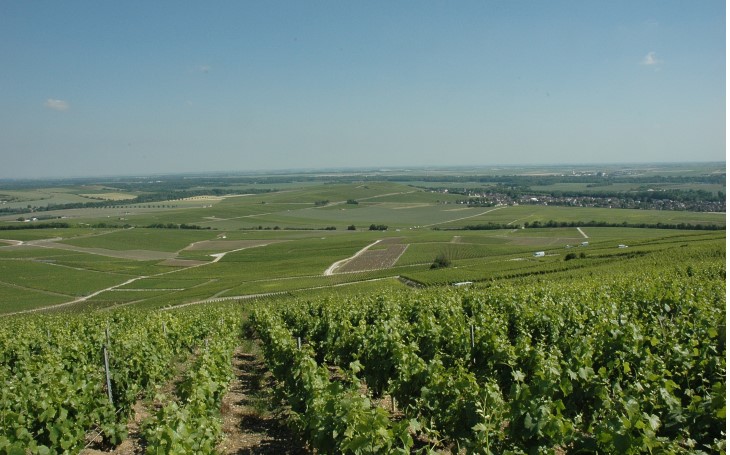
16	227
331	414
54	385
441	262
378	227
630	363
192	425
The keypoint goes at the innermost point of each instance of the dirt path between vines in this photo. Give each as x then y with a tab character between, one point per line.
250	427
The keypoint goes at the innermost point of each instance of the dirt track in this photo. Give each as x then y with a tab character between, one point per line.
225	245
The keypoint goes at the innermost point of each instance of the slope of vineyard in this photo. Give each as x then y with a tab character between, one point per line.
630	362
622	357
55	397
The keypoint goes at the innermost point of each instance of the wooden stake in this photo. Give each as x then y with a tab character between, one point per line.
108	375
473	357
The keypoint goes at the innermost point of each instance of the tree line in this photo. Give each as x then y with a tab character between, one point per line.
592	223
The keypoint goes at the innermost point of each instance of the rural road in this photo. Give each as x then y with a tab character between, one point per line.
582	233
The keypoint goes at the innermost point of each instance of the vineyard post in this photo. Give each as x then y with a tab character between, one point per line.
164	328
299	343
108	375
471	330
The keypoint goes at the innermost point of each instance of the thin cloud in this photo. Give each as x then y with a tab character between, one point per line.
56	105
650	59
201	69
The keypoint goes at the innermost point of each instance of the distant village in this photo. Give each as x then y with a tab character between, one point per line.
489	199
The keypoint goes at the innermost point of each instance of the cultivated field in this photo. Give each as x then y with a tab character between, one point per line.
308	257
285	241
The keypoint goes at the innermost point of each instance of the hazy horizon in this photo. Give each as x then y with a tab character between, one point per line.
473	169
105	89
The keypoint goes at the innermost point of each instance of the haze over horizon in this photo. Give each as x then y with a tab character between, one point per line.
91	88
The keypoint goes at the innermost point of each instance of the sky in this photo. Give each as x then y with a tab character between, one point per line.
99	88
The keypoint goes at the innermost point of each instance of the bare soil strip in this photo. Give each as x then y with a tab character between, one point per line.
249	425
582	233
182	262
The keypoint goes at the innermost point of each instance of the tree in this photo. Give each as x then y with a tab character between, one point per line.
440	262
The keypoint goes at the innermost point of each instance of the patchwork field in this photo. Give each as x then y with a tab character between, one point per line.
329	255
296	237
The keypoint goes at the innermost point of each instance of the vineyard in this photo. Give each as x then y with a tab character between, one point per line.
57	396
633	364
623	358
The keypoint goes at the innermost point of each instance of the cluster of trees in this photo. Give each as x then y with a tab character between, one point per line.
378	227
593	223
441	262
487	227
17	227
175	226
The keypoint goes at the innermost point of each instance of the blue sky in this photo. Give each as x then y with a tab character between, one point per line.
108	88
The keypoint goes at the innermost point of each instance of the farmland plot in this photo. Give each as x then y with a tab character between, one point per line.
374	259
136	255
